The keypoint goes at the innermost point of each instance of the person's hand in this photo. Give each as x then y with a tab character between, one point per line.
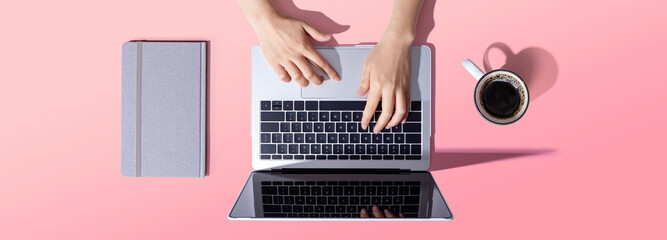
379	213
386	76
284	42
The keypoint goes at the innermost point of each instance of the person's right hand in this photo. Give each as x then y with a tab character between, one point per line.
379	213
284	42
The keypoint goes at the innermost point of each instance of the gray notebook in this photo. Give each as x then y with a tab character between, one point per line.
163	109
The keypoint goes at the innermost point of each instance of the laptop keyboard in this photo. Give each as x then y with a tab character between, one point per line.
338	199
331	130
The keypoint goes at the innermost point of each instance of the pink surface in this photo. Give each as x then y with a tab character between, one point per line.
586	161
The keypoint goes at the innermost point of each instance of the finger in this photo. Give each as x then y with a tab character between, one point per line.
377	212
389	214
408	105
400	214
280	72
365	81
322	63
315	33
401	110
371	106
388	101
295	74
364	213
307	71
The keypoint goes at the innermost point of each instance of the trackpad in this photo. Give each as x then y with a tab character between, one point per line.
349	65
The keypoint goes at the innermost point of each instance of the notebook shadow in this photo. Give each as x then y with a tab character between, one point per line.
536	66
314	18
453	158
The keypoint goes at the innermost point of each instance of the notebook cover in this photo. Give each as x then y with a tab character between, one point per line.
163	109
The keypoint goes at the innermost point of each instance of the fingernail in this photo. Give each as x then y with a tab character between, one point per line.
376	208
387	211
336	78
363	211
364	126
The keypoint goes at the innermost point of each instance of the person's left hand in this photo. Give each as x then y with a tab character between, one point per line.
386	76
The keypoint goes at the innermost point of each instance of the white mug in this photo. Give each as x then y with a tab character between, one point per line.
501	96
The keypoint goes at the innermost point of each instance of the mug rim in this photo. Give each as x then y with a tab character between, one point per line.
516	118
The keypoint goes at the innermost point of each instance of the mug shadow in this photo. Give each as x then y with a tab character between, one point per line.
314	18
536	66
453	158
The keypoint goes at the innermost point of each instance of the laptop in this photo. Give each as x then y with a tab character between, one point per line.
312	159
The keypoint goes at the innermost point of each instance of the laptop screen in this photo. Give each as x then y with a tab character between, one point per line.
349	196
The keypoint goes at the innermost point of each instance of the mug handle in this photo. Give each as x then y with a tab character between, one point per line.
475	71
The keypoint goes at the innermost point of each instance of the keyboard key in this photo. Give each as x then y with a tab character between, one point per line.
272	208
324	116
282	148
377	157
371	149
383	149
335	116
393	149
365	157
346	116
326	149
276	105
356	116
413	157
315	149
343	138
304	149
265	105
387	157
298	105
399	138
337	149
342	105
416	149
269	190
354	138
284	127
329	127
365	138
340	127
405	149
399	157
311	105
265	138
411	199
318	127
267	148
321	138
360	149
377	138
312	116
296	127
416	106
332	138
310	138
269	127
272	116
265	157
293	148
290	116
414	117
298	138
387	138
410	208
301	116
352	127
412	127
413	138
398	128
276	157
307	127
276	138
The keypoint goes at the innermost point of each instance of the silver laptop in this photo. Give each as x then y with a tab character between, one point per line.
312	159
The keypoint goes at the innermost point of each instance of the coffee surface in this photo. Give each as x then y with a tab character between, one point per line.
500	98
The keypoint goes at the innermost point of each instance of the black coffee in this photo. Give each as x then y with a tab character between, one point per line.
500	98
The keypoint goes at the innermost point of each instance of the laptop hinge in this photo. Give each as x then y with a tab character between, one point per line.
341	170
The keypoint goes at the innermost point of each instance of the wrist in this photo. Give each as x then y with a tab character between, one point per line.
398	36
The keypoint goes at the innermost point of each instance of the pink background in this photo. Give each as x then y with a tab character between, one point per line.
586	161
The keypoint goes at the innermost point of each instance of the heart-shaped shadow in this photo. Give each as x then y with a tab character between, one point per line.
536	66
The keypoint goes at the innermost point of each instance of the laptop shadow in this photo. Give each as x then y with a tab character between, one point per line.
453	158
